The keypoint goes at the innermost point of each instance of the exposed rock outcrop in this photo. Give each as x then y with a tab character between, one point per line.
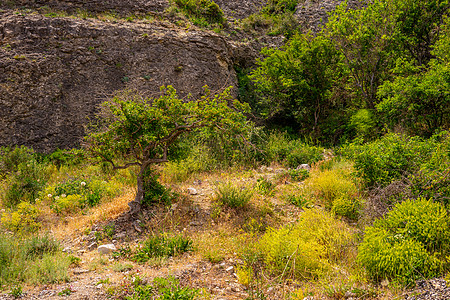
312	13
122	7
54	72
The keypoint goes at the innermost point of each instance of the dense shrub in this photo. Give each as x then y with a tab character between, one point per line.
78	193
290	152
23	220
25	183
309	248
410	242
72	157
11	158
346	207
423	165
390	157
280	6
155	192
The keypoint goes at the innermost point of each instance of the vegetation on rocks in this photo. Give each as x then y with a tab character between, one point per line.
329	177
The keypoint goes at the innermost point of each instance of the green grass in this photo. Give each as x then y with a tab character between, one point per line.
36	260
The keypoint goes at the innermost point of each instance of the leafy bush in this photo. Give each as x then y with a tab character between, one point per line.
77	193
346	207
163	246
232	195
24	220
432	180
362	123
72	157
155	192
25	183
329	185
309	248
410	242
202	12
10	159
280	148
397	167
280	6
389	158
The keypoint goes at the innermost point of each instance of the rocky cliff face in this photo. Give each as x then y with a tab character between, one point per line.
55	71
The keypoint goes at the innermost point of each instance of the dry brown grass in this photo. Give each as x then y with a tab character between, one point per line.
105	211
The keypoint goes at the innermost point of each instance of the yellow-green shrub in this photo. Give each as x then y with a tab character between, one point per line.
199	160
23	220
329	185
244	275
67	204
411	242
346	207
309	248
108	189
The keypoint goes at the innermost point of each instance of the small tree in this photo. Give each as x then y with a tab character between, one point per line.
135	131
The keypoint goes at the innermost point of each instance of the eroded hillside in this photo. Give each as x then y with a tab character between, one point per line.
60	59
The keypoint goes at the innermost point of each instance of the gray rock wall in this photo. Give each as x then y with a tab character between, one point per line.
54	72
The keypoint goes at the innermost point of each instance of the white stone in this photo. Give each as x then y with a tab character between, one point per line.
304	166
106	249
192	191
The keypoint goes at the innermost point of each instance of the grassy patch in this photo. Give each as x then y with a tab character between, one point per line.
36	260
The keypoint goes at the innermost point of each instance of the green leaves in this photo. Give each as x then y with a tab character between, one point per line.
411	242
295	83
419	97
141	130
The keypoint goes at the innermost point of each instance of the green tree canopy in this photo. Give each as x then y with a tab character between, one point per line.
133	130
419	96
295	84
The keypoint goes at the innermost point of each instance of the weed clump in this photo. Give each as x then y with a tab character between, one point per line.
163	246
409	243
35	260
233	196
309	248
168	288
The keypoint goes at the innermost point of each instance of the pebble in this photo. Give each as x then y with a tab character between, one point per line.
432	289
229	268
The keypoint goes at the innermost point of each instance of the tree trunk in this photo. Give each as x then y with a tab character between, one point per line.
136	204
